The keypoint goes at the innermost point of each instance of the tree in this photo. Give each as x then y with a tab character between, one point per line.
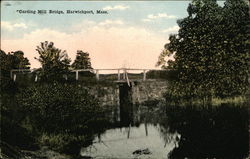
12	60
55	62
20	62
162	61
82	60
211	49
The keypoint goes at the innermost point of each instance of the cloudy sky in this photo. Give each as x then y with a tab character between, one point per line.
132	34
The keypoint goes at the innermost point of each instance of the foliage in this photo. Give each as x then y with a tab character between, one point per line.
12	60
82	60
8	151
220	132
66	109
55	62
13	133
60	108
12	116
211	50
168	74
162	61
66	143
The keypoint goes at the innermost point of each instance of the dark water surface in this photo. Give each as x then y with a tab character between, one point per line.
174	132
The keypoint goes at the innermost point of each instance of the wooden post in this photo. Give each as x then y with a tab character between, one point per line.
76	75
14	78
127	79
119	75
146	128
129	131
144	75
97	74
11	74
124	74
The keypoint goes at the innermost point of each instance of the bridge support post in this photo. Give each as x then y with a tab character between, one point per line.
124	74
76	75
144	75
11	74
119	75
97	74
14	77
65	77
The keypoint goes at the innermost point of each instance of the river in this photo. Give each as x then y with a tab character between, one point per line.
174	132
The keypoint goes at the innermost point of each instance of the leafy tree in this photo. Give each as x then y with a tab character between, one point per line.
211	49
55	62
162	59
13	60
20	62
82	60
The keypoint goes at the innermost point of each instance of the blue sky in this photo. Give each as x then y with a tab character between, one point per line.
132	34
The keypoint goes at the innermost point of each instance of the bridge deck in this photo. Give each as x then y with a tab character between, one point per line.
123	74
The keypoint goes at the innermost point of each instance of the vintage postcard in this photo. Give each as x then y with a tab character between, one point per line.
125	79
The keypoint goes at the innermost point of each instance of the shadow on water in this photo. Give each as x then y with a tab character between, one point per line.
126	105
220	132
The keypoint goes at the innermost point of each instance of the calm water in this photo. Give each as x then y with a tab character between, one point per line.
175	133
122	142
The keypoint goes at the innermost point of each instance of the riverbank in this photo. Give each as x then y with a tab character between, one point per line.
11	152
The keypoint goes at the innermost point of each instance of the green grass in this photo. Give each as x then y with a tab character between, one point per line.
236	100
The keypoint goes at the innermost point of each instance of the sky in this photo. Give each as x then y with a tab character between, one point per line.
131	34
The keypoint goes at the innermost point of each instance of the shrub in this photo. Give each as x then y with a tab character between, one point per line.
66	109
66	143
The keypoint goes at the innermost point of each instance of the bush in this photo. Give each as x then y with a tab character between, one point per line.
66	143
14	134
66	109
13	131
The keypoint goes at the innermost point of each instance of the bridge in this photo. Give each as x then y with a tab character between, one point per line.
122	74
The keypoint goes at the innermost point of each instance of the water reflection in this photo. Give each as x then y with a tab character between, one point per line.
175	133
122	142
211	133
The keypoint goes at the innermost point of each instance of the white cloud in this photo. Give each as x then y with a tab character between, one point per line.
161	15
111	22
11	26
82	24
151	17
116	7
171	29
109	47
146	20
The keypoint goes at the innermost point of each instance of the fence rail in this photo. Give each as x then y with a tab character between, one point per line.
121	73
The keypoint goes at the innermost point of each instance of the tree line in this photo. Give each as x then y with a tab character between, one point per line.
54	62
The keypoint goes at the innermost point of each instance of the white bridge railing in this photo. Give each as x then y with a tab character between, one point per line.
119	71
